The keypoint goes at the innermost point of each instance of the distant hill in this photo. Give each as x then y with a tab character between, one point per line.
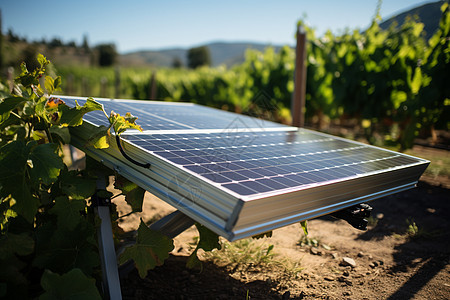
227	53
429	14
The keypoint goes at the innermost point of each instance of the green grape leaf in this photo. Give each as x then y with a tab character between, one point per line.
7	105
57	83
71	285
134	194
76	187
304	225
262	235
62	133
20	244
46	163
13	181
73	116
68	212
99	137
150	250
208	241
60	250
49	84
122	123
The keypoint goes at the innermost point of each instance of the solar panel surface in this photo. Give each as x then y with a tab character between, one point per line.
242	175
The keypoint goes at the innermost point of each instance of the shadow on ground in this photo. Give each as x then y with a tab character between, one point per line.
174	281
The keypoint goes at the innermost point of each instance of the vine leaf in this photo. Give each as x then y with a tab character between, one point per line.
20	244
13	181
73	116
46	163
7	105
304	225
99	137
71	285
134	194
60	250
76	187
122	123
62	133
208	241
150	250
68	212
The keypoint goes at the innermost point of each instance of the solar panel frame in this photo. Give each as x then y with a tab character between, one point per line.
225	210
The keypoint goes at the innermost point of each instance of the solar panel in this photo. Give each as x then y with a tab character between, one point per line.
240	175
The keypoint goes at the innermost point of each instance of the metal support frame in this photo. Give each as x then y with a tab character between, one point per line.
170	225
108	258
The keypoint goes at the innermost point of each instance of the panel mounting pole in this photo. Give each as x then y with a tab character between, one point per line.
298	97
108	258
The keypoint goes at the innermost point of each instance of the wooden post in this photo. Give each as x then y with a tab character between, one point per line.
153	86
103	86
70	85
10	78
298	98
117	83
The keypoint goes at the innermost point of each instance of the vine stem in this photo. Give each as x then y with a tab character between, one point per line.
50	139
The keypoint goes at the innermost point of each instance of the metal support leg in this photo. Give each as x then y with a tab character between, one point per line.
110	274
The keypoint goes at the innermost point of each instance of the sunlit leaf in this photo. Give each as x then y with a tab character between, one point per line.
150	250
13	165
304	225
122	123
134	194
208	240
46	163
73	116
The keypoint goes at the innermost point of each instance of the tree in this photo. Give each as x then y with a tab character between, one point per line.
106	54
85	44
198	56
177	63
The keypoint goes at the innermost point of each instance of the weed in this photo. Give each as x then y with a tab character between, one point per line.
246	251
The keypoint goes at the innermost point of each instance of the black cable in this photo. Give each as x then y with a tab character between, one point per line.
119	145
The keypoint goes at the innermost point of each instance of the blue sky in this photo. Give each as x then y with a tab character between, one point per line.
139	24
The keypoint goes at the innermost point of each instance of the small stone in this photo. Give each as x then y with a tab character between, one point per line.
347	261
370	257
334	255
326	247
346	273
372	265
347	293
329	278
360	254
314	251
381	262
380	216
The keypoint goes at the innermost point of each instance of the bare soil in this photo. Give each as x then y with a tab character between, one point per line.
391	262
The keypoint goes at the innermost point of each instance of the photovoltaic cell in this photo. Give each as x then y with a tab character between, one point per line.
270	161
155	115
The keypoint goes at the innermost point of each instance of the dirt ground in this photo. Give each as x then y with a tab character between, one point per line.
393	259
